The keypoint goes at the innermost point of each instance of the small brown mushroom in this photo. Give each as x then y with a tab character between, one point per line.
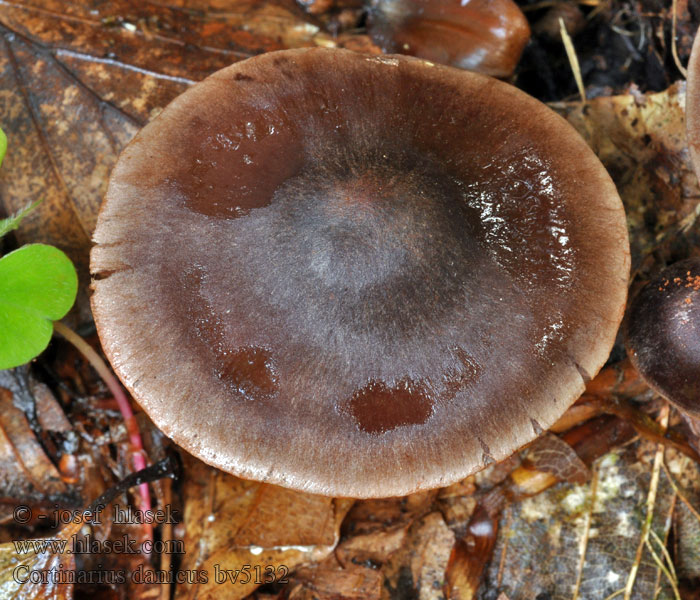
357	276
662	334
486	36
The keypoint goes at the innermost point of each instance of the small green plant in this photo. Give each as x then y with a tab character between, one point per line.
38	285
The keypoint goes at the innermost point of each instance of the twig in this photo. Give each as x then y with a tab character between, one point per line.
651	501
122	401
664	551
549	3
674	45
661	565
166	537
680	494
586	532
573	59
504	550
166	467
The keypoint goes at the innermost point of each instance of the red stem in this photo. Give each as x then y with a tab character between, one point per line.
117	391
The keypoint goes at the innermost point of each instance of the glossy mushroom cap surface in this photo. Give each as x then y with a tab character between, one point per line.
357	276
486	36
662	334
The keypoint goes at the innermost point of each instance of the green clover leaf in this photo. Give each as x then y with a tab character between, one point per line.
38	285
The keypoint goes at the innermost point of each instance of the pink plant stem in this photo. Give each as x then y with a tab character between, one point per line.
122	401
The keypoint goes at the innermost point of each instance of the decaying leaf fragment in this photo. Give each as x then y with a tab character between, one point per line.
26	473
419	567
547	534
42	575
551	454
641	140
241	534
329	581
78	80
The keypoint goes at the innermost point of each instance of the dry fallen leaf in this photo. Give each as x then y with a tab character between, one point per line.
41	575
583	537
551	454
328	581
241	533
78	80
371	548
641	141
26	474
418	569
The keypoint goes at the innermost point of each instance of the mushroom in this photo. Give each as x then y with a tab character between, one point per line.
662	334
357	276
692	105
487	36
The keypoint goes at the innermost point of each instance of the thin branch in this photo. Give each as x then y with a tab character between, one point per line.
651	502
663	567
681	494
587	529
674	44
573	59
664	551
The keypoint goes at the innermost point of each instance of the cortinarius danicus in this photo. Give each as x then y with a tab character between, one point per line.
357	276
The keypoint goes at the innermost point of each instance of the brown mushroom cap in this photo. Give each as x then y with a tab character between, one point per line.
486	36
357	276
662	334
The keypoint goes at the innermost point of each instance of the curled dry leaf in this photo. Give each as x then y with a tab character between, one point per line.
617	379
553	455
232	524
470	555
588	442
26	473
